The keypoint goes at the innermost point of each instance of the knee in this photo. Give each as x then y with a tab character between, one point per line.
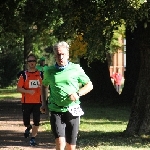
36	123
26	123
60	142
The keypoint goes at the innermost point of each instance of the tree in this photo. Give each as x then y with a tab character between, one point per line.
132	66
139	120
97	20
103	88
10	52
30	20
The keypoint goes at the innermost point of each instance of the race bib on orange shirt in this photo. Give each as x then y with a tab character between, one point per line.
34	83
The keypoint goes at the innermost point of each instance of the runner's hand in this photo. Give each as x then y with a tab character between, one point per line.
74	96
43	109
31	92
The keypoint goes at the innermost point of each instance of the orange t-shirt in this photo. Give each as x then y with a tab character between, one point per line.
32	81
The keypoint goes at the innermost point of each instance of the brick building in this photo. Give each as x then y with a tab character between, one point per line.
118	60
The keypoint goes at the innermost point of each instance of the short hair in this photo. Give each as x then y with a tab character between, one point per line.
31	55
42	59
60	44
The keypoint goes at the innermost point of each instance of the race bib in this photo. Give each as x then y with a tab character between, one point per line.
34	83
76	110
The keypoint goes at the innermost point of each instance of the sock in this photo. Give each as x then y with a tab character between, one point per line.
32	137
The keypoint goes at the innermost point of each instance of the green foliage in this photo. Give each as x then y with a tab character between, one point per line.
98	20
11	57
31	20
20	16
25	25
94	19
43	22
10	66
119	33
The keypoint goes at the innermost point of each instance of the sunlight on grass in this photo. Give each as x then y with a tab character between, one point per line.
101	128
102	125
10	93
46	126
104	119
14	95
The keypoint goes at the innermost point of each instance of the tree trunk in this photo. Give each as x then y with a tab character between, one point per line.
139	121
132	66
28	47
100	77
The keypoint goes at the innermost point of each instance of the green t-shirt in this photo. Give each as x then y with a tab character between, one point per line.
62	84
41	68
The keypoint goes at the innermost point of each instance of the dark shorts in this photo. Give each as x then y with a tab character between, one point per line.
65	125
27	109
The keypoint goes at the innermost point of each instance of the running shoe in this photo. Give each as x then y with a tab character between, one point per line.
32	142
26	133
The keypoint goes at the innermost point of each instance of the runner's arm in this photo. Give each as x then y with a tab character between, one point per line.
22	90
44	95
86	88
82	91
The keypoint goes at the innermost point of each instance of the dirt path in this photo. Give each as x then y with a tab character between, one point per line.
12	129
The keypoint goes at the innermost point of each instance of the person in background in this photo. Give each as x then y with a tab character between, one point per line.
29	84
41	64
125	72
64	104
41	67
117	80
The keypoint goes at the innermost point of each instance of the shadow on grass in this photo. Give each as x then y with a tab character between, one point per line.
12	128
12	138
96	138
97	115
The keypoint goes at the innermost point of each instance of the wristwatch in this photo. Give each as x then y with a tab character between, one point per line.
79	94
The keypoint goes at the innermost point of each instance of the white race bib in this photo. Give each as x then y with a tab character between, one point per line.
34	83
76	110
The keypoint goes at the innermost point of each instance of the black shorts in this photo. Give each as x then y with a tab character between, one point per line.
27	109
63	124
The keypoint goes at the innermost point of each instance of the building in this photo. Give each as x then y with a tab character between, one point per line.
118	60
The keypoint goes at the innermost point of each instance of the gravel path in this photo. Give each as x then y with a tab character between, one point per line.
12	129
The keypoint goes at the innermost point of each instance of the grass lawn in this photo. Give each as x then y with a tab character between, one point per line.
9	93
101	128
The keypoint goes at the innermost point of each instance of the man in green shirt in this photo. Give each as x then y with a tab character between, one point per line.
64	104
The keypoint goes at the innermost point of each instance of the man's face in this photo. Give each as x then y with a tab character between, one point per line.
31	62
62	56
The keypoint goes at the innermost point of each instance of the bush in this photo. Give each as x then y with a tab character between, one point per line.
10	66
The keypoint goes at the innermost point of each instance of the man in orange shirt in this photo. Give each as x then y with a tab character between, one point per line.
29	84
